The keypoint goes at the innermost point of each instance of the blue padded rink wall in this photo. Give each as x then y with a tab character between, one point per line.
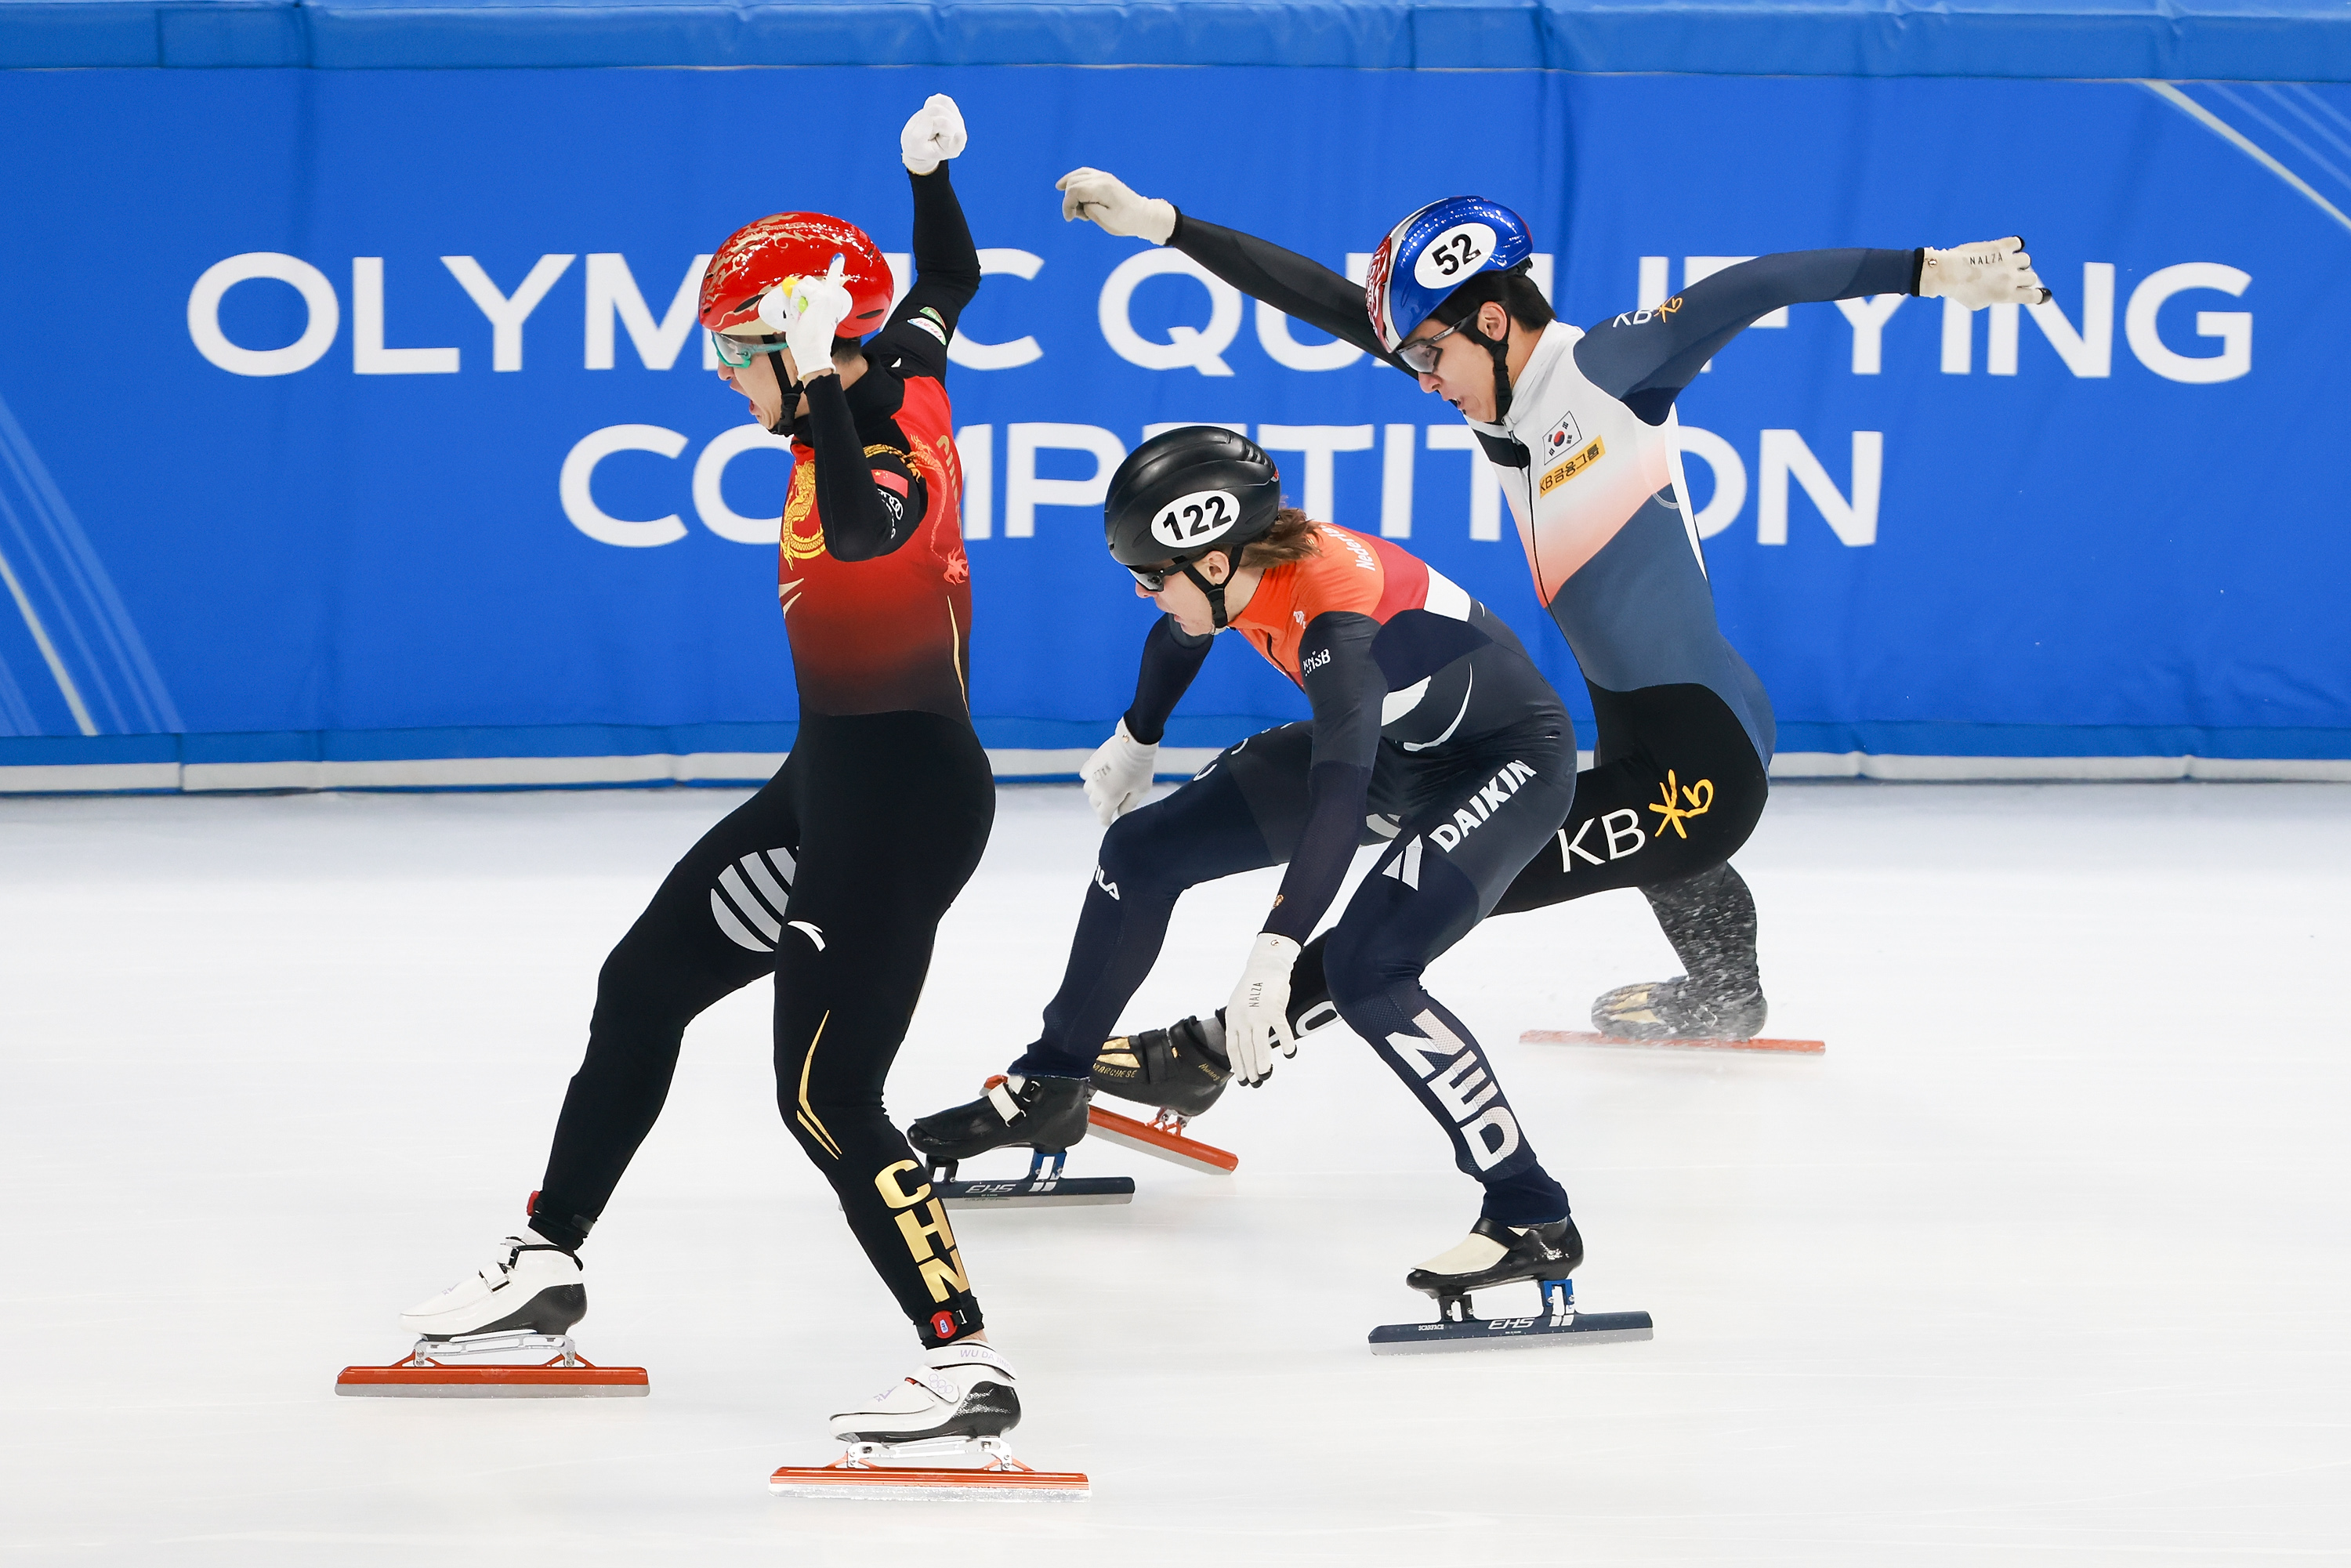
315	523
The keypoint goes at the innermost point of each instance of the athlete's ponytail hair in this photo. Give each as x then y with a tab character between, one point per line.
1294	536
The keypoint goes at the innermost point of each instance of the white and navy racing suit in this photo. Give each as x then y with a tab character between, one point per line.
1587	461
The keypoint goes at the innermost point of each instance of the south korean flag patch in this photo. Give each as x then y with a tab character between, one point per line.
1562	439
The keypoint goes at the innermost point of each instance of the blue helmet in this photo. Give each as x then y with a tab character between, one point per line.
1434	252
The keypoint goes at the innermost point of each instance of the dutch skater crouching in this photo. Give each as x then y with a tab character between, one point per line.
1426	711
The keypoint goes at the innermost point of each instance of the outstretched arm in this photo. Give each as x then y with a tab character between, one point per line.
1647	357
1290	283
1284	279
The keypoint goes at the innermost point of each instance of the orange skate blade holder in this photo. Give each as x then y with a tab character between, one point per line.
1585	1037
1163	1138
441	1370
856	1474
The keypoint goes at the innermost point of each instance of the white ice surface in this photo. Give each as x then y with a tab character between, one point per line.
2044	1261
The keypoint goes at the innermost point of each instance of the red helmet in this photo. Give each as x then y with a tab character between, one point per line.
760	256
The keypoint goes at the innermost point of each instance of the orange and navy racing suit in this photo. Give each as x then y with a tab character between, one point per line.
1433	729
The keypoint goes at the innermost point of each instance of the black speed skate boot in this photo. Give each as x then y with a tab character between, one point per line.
1043	1113
1676	1010
1181	1069
1493	1254
1496	1254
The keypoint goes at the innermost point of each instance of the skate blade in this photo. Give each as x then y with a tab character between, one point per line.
484	1367
1518	1333
402	1381
869	1471
1146	1139
1585	1037
1042	1192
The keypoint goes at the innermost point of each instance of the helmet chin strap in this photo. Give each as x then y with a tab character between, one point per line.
1215	592
1500	355
790	395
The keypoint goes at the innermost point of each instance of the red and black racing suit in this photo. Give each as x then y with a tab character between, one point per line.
1427	712
834	876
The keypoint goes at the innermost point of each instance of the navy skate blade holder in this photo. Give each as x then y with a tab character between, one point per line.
1557	1324
1043	1187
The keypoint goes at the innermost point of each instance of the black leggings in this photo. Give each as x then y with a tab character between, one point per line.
1675	790
1471	817
833	879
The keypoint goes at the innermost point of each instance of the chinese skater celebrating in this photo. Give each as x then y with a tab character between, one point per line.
834	876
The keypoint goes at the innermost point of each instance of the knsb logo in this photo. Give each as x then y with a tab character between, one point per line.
1464	1089
1313	662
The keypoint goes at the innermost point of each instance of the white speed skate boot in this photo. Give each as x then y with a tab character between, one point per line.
960	1391
529	1286
956	1406
502	1333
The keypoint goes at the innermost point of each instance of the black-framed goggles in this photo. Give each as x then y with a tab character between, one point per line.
1420	354
1154	579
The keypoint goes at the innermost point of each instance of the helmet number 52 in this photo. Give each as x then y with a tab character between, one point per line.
1454	255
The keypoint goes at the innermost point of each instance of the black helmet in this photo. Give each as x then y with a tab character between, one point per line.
1188	491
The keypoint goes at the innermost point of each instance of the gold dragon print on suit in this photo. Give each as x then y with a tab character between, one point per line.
798	508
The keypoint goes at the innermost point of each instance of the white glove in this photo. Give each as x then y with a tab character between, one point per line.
1104	199
1257	1019
1118	774
934	135
1990	272
807	311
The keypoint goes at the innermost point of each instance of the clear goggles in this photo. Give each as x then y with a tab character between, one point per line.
1420	354
740	351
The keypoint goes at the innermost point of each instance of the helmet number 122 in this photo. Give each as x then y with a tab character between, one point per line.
1193	520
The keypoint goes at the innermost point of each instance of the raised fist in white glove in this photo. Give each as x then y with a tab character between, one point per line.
1990	272
1104	199
1118	774
1257	1019
934	135
807	311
